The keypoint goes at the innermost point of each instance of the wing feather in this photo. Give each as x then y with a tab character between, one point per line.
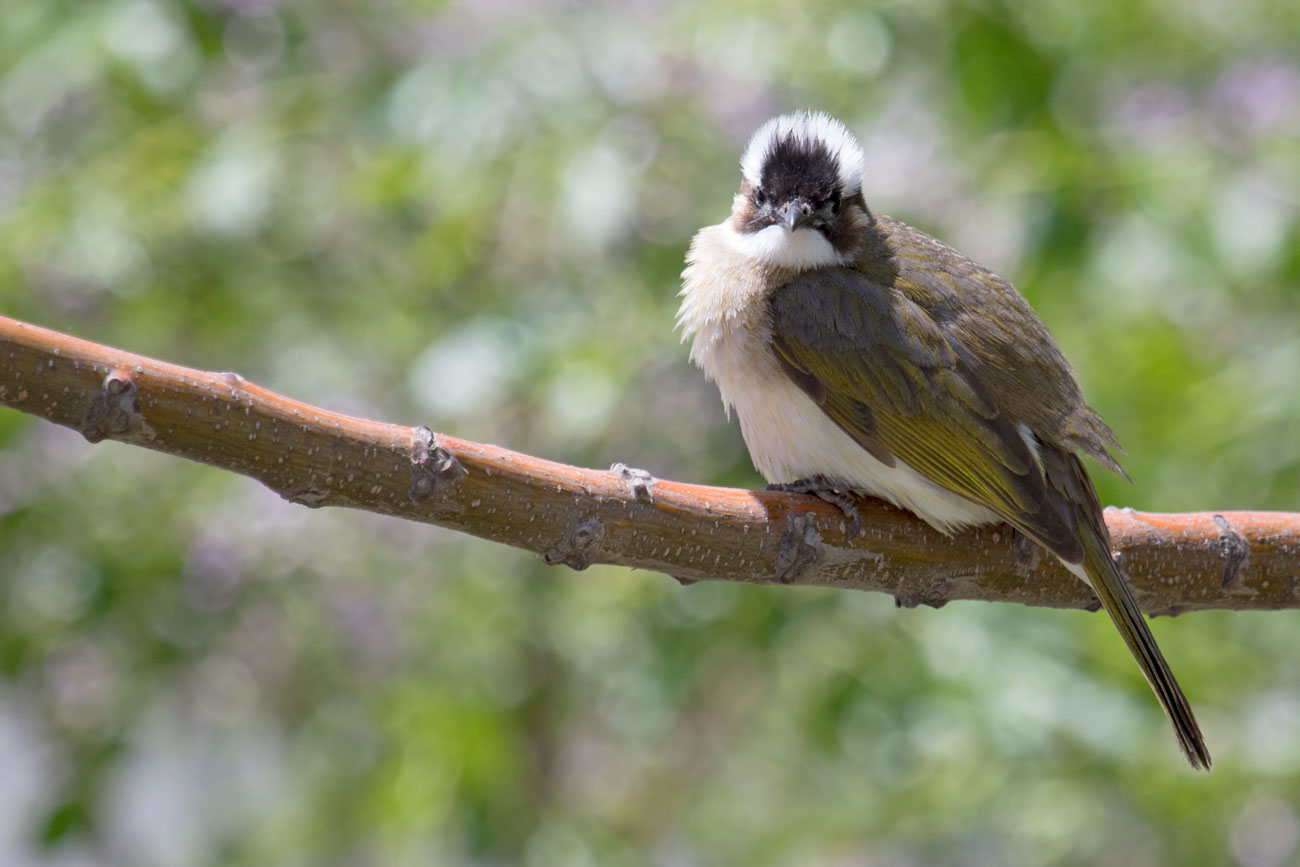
889	376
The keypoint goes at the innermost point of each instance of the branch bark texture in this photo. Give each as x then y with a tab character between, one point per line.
575	516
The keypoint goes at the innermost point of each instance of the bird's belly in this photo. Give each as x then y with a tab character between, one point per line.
790	437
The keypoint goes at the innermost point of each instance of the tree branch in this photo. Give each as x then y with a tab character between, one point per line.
311	456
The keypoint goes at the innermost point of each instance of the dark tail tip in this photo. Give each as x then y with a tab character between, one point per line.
1194	748
1185	727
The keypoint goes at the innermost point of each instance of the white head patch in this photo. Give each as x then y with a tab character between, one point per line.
810	127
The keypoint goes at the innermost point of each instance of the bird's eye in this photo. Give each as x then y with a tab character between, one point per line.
760	197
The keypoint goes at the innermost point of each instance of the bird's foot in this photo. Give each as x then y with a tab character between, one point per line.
830	491
1027	551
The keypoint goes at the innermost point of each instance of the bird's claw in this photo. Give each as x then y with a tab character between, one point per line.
833	493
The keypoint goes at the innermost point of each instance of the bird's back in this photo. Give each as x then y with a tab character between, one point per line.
1009	349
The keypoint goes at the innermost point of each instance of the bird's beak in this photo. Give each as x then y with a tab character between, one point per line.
796	213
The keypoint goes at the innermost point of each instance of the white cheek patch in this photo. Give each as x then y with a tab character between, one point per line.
801	249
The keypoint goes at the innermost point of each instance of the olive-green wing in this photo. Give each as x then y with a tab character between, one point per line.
997	421
890	377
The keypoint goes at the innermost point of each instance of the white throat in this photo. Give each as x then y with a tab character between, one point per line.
777	246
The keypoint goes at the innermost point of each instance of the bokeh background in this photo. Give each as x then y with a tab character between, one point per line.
472	215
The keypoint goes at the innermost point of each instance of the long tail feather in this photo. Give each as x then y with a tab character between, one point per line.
1101	571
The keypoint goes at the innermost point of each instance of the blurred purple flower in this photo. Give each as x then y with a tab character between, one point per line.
1263	96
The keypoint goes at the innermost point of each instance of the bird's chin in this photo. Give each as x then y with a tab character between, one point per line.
777	246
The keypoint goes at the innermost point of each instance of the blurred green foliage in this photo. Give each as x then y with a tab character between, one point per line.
472	215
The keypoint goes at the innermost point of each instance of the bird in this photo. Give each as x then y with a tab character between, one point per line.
862	355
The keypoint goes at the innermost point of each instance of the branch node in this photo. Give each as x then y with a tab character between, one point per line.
1235	550
431	464
309	497
799	549
935	596
114	411
638	481
577	549
238	387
